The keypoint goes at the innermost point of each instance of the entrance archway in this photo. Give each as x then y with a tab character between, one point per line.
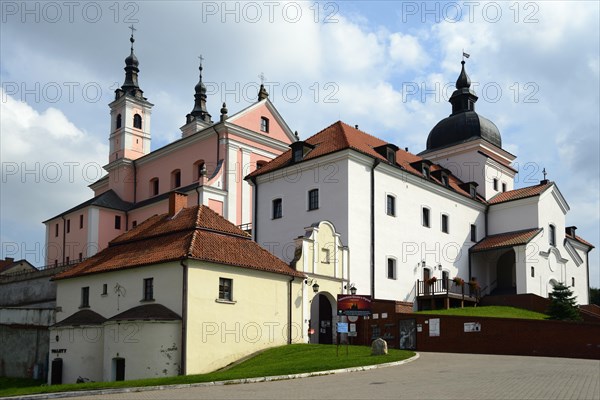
321	319
506	274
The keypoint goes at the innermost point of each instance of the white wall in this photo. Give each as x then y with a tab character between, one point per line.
81	350
513	216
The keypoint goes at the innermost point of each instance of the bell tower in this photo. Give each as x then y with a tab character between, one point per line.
129	115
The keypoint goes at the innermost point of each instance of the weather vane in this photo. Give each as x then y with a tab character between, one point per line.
262	78
465	55
201	59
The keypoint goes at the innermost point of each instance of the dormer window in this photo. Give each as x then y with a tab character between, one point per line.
299	150
119	121
388	151
425	170
137	121
264	124
472	191
471	188
298	154
444	179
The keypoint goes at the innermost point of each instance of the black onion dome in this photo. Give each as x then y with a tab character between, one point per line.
464	124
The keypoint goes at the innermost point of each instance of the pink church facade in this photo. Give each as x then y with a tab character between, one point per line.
208	163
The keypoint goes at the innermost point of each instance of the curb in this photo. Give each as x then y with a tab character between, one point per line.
97	392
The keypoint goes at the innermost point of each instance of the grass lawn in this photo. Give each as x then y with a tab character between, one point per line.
489	311
291	359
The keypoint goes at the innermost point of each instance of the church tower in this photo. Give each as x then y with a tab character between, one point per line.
469	145
199	118
129	115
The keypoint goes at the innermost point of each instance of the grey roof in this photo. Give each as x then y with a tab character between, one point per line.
108	199
82	317
147	312
463	127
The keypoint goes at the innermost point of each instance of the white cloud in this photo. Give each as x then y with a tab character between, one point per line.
406	52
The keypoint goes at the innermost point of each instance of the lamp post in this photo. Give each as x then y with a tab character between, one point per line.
353	290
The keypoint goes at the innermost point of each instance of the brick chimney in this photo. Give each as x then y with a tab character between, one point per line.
177	202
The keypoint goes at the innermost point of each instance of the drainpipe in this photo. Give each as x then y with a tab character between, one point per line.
217	132
289	341
64	242
184	305
587	266
375	164
255	207
134	182
198	192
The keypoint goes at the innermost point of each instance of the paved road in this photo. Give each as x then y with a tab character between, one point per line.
432	376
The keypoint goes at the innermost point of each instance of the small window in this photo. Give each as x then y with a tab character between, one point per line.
390	155
56	230
68	260
117	222
264	124
119	121
68	225
326	256
572	281
298	154
277	209
445	180
425	170
503	186
472	191
137	121
391	205
85	297
444	223
533	272
225	289
55	263
495	184
425	217
104	289
445	277
199	169
175	179
473	233
552	235
80	257
154	187
313	199
391	268
148	289
134	224
81	221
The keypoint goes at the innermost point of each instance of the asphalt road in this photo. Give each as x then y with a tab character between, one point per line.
432	376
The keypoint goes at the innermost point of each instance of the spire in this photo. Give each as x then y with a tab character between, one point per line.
463	99
199	111
130	86
262	92
224	112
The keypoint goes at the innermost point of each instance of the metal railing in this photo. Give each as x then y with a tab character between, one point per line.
445	287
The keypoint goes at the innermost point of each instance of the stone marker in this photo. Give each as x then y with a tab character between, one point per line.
379	347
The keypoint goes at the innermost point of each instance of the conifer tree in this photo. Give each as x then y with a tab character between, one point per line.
563	305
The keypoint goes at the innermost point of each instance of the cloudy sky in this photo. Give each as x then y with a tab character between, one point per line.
387	66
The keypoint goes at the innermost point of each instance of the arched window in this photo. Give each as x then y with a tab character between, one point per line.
198	167
552	235
175	179
137	121
119	121
153	186
264	124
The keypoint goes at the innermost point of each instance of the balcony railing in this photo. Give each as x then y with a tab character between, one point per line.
447	287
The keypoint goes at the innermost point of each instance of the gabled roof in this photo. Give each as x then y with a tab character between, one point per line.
341	136
82	317
507	239
108	199
147	312
522	193
196	233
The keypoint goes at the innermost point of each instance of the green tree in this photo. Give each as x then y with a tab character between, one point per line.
563	305
595	296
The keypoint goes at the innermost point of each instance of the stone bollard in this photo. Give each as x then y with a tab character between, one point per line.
379	347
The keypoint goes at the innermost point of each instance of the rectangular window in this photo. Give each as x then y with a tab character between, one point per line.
117	222
503	187
85	297
444	179
495	184
532	272
154	187
67	260
326	256
444	223
391	205
80	257
573	282
552	235
473	233
134	224
313	199
225	289
104	289
264	124
56	230
425	217
148	289
68	225
277	209
391	268
81	221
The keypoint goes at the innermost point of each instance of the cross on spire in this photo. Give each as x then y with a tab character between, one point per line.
261	76
201	59
132	29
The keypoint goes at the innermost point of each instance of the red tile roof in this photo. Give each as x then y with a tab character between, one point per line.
580	240
507	239
341	136
196	233
522	193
